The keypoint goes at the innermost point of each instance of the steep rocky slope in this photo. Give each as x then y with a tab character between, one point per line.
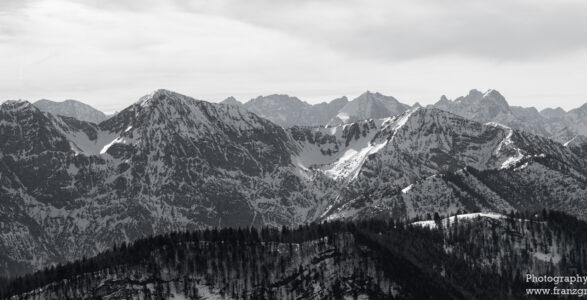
430	160
168	162
368	106
71	188
491	106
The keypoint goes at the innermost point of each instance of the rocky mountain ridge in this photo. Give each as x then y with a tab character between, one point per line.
169	162
289	111
491	106
484	107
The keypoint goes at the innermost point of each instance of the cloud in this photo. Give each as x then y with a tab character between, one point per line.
397	30
96	53
109	53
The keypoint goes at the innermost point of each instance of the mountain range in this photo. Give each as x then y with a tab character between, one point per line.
490	106
72	188
289	111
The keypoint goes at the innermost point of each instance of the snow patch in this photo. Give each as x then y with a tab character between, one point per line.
344	117
407	188
512	160
547	257
570	141
432	224
350	162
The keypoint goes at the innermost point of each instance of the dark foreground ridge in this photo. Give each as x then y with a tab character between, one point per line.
477	258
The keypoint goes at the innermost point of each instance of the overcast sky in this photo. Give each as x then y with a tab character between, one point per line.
108	53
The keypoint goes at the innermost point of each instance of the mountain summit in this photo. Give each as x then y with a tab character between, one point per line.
231	101
368	106
491	106
289	111
72	108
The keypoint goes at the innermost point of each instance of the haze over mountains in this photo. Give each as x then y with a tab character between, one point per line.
288	111
489	106
72	188
72	108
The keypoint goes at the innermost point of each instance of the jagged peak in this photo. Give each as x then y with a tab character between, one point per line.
370	96
160	96
493	96
557	109
159	93
475	92
277	97
340	99
368	93
179	102
231	100
15	105
492	93
473	97
343	100
424	112
275	100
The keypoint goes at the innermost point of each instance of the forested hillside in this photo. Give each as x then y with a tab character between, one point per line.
456	258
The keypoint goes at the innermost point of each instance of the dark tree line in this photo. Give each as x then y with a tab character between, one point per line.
383	259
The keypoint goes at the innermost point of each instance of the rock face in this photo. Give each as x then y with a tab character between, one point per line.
491	106
71	188
165	163
231	101
288	111
72	108
368	106
439	161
